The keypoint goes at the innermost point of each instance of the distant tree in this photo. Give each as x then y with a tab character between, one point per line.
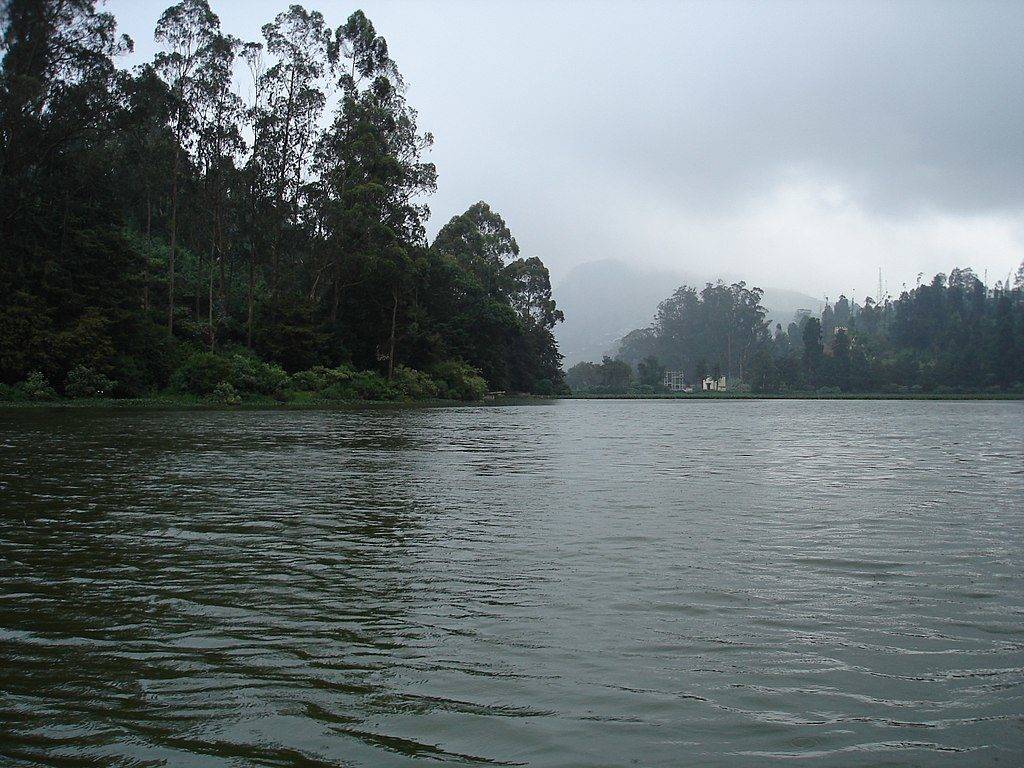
841	359
651	373
812	349
763	374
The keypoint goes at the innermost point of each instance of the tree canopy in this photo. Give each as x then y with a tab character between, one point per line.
148	216
952	334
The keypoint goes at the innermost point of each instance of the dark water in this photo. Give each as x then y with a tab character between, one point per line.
581	583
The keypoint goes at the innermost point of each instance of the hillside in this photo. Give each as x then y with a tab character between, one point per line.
603	300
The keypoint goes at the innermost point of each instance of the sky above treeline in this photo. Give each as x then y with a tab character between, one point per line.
795	144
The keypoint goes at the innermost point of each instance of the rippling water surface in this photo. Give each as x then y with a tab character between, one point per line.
580	583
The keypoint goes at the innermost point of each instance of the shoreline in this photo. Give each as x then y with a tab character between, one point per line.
809	396
186	403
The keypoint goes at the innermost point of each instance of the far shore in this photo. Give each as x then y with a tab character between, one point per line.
190	403
808	396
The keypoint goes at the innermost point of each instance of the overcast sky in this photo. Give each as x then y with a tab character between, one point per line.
801	145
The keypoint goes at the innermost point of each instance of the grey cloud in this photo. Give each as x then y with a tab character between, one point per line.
583	122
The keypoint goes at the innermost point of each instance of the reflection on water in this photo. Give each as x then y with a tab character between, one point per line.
578	583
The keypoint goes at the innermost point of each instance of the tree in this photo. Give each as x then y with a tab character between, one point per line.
651	373
812	349
291	101
841	359
724	324
499	308
373	175
187	29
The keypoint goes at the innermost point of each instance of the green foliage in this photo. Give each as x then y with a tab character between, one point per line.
415	385
369	385
202	373
490	308
459	381
252	375
611	377
11	393
225	394
545	388
319	379
36	387
951	335
651	373
155	216
344	384
720	325
83	381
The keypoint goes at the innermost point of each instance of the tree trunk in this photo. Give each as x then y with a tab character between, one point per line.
174	241
251	297
394	316
199	287
337	295
209	306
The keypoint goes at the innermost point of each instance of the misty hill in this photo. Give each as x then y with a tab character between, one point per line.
604	300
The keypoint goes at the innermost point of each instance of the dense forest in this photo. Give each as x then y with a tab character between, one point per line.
950	335
241	218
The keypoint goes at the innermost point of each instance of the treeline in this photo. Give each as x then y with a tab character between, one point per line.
950	335
257	199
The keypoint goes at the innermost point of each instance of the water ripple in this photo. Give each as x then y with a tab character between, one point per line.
578	583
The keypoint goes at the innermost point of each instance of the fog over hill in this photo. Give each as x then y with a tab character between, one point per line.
604	300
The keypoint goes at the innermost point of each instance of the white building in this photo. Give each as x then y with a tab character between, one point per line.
675	381
713	385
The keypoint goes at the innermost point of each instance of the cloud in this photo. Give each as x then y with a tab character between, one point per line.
717	131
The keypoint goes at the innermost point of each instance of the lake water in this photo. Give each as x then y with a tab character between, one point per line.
580	583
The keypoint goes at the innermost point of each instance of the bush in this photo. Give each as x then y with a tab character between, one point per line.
459	381
365	385
36	387
413	384
10	393
319	378
249	374
226	394
83	381
201	373
544	388
369	385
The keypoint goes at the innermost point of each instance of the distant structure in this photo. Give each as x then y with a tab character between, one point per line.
675	381
713	385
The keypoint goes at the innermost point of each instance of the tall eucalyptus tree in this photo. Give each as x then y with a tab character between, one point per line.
187	30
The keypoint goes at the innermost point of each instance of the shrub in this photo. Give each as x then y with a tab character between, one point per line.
87	342
83	381
319	378
369	385
10	393
201	373
226	394
36	387
460	381
545	388
249	374
365	385
413	384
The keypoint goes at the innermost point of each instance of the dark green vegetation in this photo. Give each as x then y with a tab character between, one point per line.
952	336
159	233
